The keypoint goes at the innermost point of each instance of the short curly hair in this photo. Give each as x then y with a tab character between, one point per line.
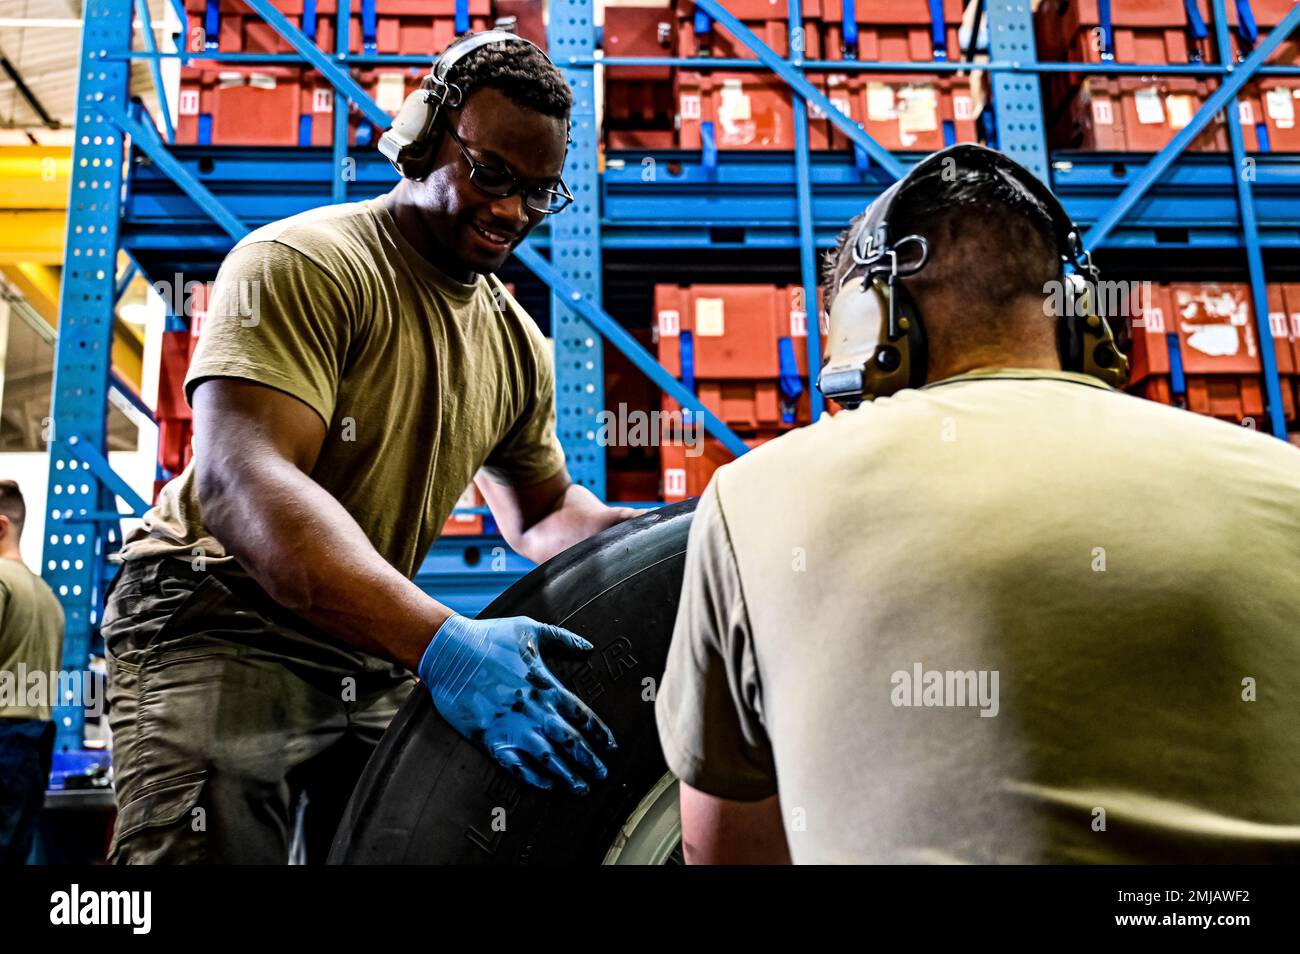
519	70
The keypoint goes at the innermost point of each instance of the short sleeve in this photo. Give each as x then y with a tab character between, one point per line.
709	703
530	452
276	318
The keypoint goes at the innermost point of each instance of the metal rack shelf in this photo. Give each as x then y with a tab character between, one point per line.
184	207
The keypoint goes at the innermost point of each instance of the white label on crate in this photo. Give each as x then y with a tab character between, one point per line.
189	102
918	109
1180	107
674	482
1295	324
322	100
963	107
798	324
390	92
710	321
690	106
670	323
230	78
1149	110
843	104
1102	114
1280	107
734	107
1246	112
1156	321
261	81
1277	324
880	101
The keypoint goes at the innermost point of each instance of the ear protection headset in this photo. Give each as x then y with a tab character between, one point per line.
875	339
410	143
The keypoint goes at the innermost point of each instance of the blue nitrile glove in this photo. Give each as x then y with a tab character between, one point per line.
487	678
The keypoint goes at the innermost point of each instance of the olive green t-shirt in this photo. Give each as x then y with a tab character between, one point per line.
420	379
31	632
1013	616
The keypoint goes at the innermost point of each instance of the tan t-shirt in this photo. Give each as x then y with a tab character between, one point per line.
31	633
1130	572
421	380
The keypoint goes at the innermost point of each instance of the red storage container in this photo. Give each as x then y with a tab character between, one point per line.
527	14
748	110
768	19
258	106
465	524
640	103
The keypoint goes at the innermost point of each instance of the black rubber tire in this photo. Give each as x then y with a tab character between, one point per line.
428	796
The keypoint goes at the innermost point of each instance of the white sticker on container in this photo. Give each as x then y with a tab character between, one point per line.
674	482
1246	112
1181	108
322	100
880	101
670	323
710	320
1280	107
1277	324
1102	113
690	106
843	104
189	102
1149	110
734	107
918	109
261	81
391	92
1156	321
231	78
798	324
963	107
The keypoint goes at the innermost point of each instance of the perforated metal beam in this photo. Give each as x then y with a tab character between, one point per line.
1017	98
575	253
75	544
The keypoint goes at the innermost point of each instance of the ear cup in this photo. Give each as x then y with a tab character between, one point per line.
1086	342
863	360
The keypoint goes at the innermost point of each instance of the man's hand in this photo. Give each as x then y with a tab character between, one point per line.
488	680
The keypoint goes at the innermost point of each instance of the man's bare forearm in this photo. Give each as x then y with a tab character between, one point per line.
307	552
578	515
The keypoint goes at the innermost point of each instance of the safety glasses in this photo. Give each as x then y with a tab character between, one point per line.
495	181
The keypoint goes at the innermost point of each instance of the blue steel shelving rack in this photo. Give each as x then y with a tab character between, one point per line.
180	209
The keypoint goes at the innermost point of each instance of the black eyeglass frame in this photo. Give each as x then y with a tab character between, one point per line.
515	185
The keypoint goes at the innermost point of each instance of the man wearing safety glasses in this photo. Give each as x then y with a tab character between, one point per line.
359	366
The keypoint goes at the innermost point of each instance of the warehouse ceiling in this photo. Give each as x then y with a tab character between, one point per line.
40	41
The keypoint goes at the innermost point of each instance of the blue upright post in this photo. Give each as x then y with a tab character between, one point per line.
1243	169
83	353
342	106
807	248
575	252
1017	98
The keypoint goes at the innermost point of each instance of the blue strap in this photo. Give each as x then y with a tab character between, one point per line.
1246	28
861	161
462	16
212	24
1195	24
1261	133
304	129
789	380
369	26
709	143
1107	30
365	133
938	35
309	19
850	29
703	23
949	133
1177	383
205	129
686	344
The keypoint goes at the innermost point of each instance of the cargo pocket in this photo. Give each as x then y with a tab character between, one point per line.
164	824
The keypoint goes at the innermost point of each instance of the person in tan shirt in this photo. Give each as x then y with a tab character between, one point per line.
1008	615
358	366
31	644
